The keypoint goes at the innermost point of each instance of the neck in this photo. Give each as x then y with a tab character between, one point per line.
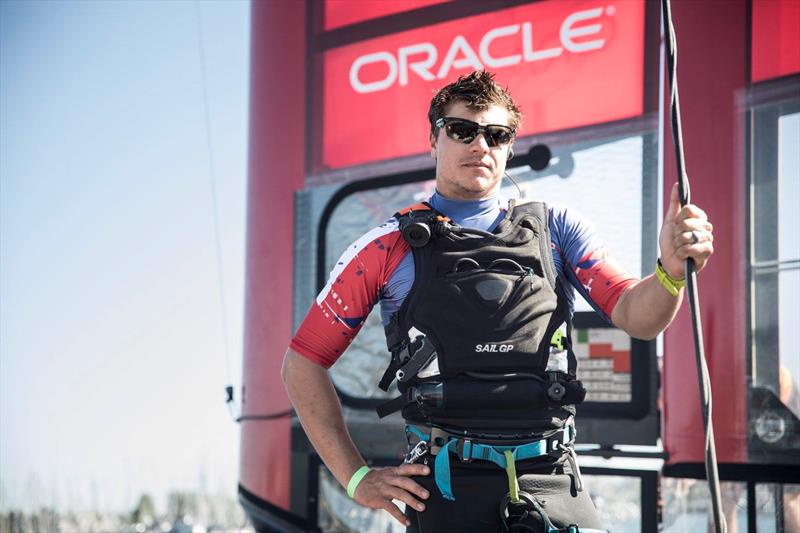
445	190
482	213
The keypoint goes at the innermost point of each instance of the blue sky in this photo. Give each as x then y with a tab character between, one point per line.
112	351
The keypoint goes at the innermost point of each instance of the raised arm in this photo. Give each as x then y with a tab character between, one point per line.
646	308
314	398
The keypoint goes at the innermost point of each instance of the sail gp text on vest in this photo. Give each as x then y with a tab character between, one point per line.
398	67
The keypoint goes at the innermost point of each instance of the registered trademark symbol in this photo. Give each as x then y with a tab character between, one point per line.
611	10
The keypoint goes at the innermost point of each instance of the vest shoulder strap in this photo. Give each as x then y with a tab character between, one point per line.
421	206
535	208
540	211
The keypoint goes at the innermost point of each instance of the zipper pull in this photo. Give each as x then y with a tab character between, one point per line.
533	280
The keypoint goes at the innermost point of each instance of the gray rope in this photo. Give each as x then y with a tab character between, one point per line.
691	278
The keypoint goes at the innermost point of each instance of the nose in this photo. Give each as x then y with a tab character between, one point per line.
479	144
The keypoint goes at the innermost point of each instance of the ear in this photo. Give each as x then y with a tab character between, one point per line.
433	146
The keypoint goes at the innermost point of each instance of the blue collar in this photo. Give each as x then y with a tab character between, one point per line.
483	214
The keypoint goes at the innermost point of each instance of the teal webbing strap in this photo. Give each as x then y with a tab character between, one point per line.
441	468
495	454
416	431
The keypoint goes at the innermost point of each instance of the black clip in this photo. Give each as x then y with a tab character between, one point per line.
556	390
422	355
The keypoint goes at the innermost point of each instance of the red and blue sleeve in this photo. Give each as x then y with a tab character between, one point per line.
585	262
353	288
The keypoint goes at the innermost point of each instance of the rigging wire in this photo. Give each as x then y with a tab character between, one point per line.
215	210
691	278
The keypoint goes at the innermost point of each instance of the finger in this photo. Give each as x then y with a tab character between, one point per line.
412	469
396	493
693	224
698	252
691	211
692	237
699	262
674	204
395	511
411	486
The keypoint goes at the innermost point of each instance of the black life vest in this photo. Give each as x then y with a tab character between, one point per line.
485	306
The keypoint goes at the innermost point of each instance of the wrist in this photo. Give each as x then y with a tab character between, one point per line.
671	284
679	277
355	479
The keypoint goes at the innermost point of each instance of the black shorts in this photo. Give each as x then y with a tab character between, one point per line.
479	488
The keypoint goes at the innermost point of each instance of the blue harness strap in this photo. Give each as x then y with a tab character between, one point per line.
419	433
467	450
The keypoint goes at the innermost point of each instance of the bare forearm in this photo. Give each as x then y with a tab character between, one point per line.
646	309
311	391
314	398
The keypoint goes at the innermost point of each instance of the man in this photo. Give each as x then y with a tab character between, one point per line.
490	422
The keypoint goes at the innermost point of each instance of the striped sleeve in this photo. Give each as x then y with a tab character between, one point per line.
586	263
354	287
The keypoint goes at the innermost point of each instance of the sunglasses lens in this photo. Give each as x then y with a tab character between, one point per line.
464	132
496	135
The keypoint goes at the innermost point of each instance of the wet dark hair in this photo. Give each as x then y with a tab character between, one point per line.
478	91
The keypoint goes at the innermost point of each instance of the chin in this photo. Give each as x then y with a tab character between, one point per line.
481	183
479	191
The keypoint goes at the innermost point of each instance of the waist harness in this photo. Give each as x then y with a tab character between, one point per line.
477	341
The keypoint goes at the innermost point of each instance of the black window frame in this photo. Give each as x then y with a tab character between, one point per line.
766	102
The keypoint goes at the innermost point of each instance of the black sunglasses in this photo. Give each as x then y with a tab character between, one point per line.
464	131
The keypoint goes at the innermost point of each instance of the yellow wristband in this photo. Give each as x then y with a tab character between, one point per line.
356	479
671	284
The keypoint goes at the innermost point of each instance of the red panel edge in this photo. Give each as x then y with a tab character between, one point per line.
276	171
713	129
346	12
776	39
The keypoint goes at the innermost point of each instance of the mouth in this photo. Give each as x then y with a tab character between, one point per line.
477	164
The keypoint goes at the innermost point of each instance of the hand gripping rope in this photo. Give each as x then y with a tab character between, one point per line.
691	275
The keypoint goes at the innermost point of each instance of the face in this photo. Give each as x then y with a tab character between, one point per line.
470	171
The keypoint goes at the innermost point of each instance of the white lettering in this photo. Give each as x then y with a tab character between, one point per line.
491	35
568	32
503	348
420	67
588	286
527	46
469	58
380	85
421	58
